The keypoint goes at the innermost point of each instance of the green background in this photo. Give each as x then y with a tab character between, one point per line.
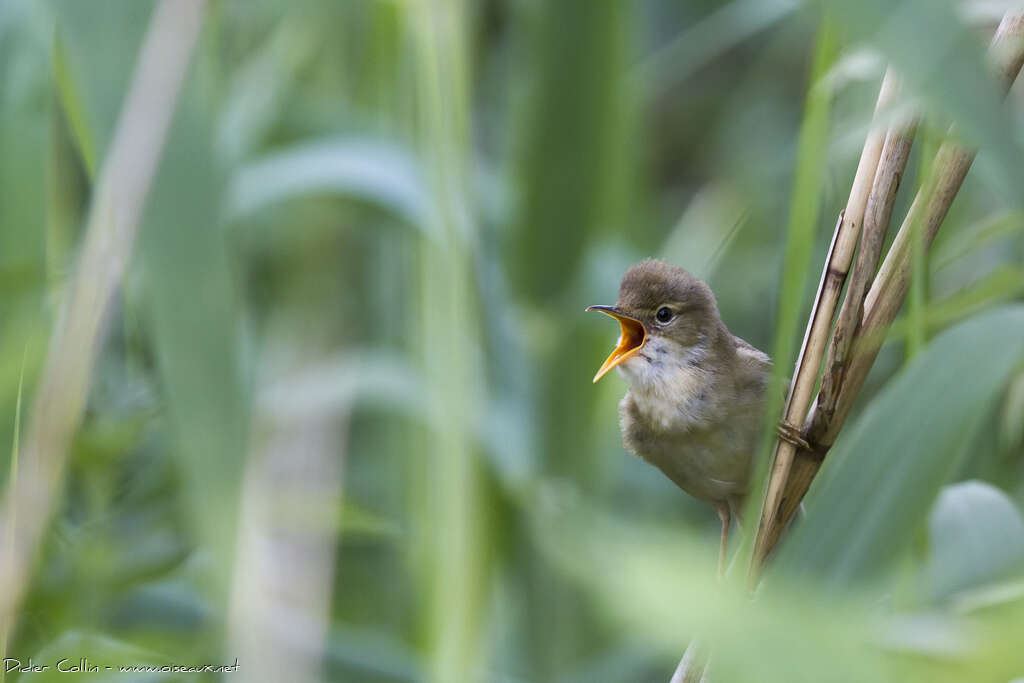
372	236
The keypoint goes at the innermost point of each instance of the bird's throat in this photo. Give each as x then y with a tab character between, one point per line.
671	384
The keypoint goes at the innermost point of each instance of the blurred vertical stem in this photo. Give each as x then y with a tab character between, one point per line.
576	156
72	107
5	627
576	160
805	203
67	169
66	193
287	532
451	550
121	190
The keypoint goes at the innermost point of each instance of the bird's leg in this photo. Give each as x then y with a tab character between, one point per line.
790	433
725	515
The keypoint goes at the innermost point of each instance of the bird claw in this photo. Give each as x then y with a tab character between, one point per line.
788	432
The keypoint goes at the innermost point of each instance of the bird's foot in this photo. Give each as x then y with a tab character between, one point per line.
789	432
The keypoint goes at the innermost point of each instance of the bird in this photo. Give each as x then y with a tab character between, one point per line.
695	404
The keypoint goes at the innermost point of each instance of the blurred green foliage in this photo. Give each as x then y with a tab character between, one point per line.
402	208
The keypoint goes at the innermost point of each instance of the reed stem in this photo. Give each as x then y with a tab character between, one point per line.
845	377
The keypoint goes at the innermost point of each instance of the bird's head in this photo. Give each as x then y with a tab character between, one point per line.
664	313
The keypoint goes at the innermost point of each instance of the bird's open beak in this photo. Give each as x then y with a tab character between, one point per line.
630	341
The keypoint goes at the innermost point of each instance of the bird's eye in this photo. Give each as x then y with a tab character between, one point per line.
664	314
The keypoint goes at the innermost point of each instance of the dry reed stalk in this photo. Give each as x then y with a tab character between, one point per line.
876	223
844	244
114	216
891	166
892	282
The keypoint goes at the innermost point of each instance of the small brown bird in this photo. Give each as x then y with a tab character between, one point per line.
696	392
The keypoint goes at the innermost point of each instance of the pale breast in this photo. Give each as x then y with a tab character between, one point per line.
709	462
671	387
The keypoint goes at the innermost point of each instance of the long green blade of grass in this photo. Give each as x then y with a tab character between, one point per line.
71	103
449	517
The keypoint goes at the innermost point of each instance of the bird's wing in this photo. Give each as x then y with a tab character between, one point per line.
748	351
752	371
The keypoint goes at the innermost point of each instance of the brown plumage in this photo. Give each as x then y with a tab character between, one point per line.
694	405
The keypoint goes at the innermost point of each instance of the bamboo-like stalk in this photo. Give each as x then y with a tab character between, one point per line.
876	223
890	286
891	166
844	244
114	216
892	282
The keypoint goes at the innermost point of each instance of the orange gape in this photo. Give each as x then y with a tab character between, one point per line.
631	339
